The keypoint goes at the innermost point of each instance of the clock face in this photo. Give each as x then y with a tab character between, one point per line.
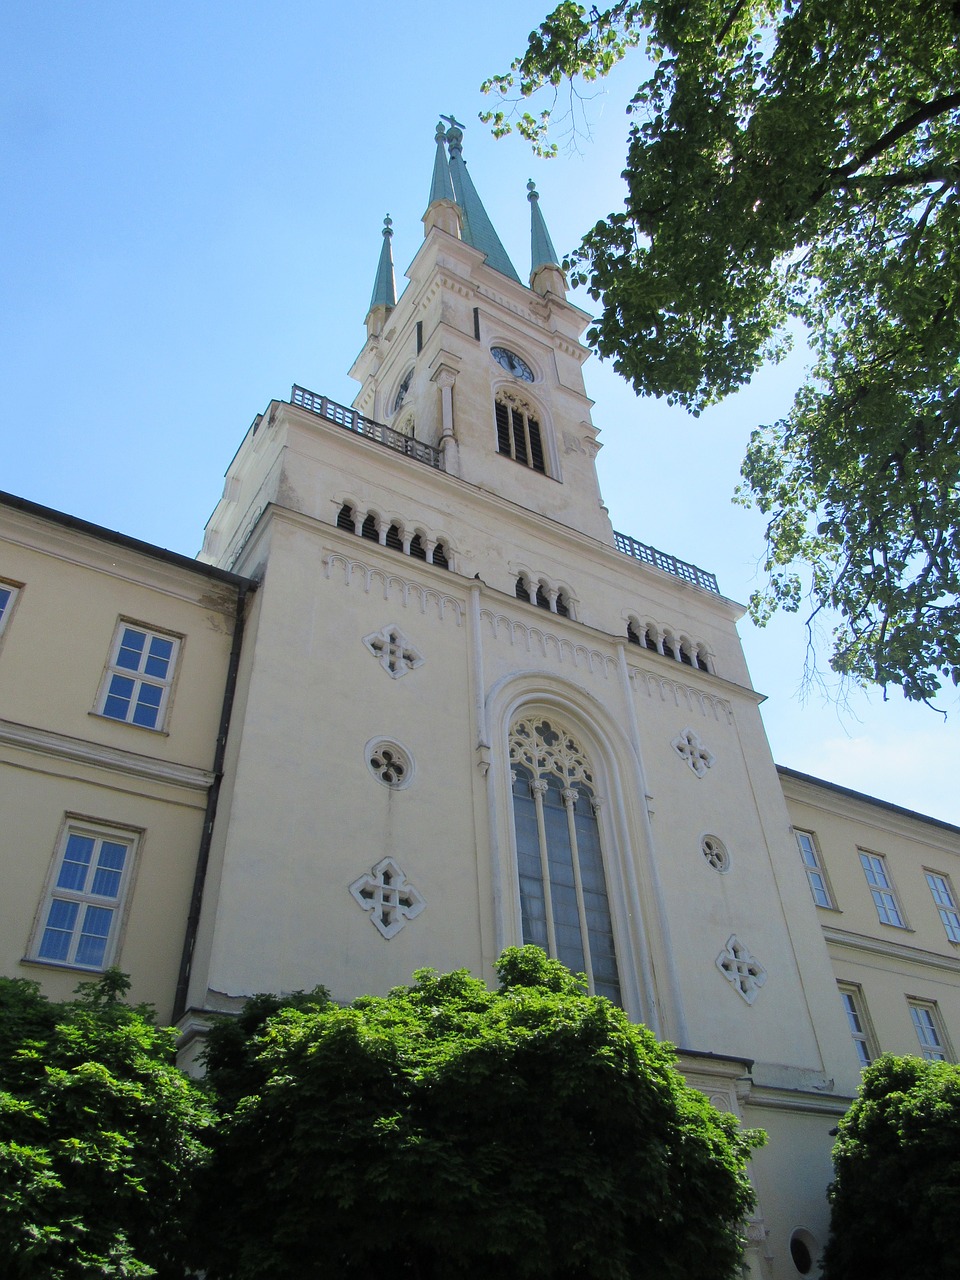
512	363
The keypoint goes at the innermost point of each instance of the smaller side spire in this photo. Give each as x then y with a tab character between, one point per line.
384	296
443	210
546	274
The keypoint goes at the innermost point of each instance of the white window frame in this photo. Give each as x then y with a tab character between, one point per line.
149	690
9	593
813	865
75	904
945	900
858	1020
929	1029
885	899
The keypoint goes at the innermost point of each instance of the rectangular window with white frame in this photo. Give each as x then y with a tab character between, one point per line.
930	1032
813	865
79	922
946	902
139	676
8	599
858	1021
885	900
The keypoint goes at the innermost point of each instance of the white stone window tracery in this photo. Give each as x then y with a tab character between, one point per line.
395	653
692	751
389	763
564	902
715	853
742	970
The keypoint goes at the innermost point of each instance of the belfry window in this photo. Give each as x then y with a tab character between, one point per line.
564	905
518	432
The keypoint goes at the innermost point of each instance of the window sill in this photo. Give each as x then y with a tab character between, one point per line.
128	724
36	962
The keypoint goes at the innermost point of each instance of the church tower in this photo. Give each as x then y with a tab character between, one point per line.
469	714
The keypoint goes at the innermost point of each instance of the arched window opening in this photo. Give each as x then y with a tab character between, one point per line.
632	636
518	433
523	591
394	541
668	649
701	659
685	653
369	528
440	556
345	518
417	549
562	607
564	905
650	639
542	601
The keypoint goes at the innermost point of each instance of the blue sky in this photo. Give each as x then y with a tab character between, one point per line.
193	197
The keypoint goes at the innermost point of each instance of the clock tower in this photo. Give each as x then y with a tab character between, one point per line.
469	714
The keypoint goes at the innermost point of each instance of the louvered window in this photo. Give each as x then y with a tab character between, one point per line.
369	529
345	518
518	434
394	541
417	549
440	556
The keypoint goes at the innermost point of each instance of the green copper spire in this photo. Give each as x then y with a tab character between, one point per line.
542	252
385	287
441	188
477	228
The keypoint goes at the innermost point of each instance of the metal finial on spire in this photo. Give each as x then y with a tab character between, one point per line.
454	134
388	225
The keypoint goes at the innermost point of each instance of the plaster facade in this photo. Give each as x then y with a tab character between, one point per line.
436	577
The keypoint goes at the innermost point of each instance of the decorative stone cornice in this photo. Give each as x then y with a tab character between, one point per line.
548	645
394	588
83	751
684	696
891	950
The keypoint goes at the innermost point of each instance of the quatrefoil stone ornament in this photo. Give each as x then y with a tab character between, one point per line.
395	653
742	970
690	749
385	893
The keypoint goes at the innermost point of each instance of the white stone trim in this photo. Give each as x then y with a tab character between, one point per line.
83	751
385	893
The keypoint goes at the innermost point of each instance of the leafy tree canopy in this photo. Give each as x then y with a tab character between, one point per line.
797	160
99	1133
895	1199
449	1130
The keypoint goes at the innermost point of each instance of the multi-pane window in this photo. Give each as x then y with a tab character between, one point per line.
8	596
80	920
518	432
885	900
564	905
853	1006
137	683
943	896
926	1023
816	875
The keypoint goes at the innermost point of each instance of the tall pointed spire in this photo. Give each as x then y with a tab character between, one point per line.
442	211
546	274
384	296
477	228
385	285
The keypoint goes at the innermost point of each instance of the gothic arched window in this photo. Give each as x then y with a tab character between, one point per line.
518	431
564	905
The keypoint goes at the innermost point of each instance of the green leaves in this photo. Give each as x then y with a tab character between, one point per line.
902	1132
798	162
99	1133
531	1129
